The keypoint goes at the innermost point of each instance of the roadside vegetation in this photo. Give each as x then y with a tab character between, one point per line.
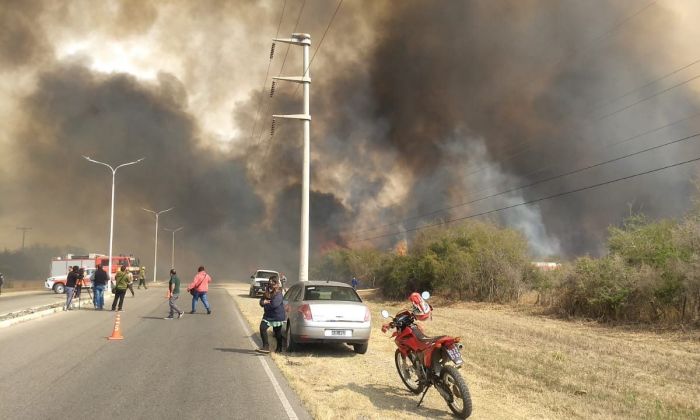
517	366
651	273
29	265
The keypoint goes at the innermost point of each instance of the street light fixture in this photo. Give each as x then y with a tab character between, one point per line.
172	252
111	217
155	256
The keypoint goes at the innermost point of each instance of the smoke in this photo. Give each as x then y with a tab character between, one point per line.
416	107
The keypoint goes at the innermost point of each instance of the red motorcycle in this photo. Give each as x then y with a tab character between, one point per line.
422	361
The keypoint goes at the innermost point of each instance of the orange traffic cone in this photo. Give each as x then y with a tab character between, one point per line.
116	332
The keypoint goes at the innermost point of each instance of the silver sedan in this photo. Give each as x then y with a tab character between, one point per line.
326	312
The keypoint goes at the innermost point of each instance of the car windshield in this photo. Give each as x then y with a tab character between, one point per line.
338	293
265	274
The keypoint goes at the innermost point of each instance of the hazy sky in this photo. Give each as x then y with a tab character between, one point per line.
417	106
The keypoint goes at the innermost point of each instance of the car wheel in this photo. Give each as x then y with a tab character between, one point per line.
59	288
360	348
292	345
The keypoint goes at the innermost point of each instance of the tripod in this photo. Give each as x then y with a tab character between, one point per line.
77	292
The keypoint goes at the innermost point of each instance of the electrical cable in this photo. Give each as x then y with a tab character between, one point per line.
541	181
267	73
603	104
529	202
306	71
646	99
284	61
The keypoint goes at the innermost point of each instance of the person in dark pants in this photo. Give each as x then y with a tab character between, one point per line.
99	283
120	288
173	294
71	281
273	316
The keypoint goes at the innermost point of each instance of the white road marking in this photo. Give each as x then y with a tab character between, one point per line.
278	389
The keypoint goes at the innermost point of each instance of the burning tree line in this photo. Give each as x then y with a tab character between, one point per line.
651	273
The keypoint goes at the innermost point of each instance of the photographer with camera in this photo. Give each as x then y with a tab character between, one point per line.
273	316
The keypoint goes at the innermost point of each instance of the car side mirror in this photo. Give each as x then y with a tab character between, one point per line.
425	295
385	313
252	277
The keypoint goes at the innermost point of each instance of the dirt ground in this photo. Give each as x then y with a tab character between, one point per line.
517	366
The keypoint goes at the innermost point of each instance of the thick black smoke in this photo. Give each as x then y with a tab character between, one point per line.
416	106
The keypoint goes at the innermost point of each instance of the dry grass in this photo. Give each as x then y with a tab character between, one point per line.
517	366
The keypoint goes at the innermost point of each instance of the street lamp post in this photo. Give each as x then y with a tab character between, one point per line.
172	252
111	217
155	252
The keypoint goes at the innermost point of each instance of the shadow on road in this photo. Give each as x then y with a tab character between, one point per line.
393	398
152	317
241	351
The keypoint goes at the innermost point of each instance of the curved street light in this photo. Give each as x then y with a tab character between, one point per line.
111	217
155	256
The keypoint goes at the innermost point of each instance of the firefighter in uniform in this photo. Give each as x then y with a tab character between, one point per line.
142	277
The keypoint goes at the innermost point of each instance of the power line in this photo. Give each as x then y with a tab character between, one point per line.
628	93
320	42
647	98
529	202
267	73
541	181
284	61
315	52
530	147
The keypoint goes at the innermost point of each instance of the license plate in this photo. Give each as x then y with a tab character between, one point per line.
455	355
338	333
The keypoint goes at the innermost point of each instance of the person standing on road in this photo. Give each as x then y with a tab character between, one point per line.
142	278
120	288
199	288
355	283
99	282
173	294
2	281
130	283
71	281
273	316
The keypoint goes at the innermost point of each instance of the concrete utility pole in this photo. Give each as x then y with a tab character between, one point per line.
303	40
155	252
24	232
111	217
172	252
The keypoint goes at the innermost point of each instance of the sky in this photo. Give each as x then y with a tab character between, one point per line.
421	112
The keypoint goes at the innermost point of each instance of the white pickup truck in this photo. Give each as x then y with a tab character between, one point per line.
259	280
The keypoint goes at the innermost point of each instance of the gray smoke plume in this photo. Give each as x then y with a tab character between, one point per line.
417	106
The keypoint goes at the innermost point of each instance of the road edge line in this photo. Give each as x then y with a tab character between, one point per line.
275	384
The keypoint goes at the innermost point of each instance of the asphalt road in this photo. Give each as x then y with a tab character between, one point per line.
200	366
17	301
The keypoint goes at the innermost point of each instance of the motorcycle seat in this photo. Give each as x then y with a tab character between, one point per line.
424	338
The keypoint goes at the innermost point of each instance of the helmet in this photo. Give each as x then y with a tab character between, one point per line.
419	307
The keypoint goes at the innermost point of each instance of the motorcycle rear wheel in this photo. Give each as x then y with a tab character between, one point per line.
408	373
453	382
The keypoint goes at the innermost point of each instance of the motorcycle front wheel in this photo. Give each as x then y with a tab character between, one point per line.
408	373
453	382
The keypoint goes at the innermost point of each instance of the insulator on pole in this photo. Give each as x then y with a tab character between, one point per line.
272	89
272	51
272	128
